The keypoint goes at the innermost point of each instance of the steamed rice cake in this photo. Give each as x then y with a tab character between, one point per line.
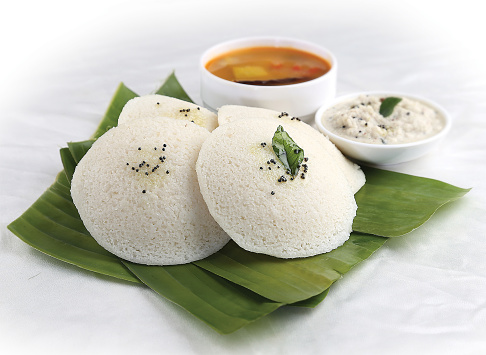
353	173
137	193
241	181
156	106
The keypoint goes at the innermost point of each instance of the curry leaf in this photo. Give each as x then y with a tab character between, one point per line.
388	104
287	151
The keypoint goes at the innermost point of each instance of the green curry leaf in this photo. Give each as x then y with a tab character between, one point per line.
388	104
287	151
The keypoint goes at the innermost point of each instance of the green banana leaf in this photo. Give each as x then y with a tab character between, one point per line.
79	149
68	163
290	280
311	302
173	88
110	119
392	204
221	304
233	287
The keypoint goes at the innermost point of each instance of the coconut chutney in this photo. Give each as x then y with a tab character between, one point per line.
359	119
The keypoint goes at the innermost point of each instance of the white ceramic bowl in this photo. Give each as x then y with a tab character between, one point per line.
301	100
384	154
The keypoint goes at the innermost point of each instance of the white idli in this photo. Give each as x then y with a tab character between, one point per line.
137	193
238	177
154	106
354	174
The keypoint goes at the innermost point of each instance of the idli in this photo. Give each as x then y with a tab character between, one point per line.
263	208
354	174
137	193
154	106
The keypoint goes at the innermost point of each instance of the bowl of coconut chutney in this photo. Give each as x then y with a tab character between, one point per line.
383	128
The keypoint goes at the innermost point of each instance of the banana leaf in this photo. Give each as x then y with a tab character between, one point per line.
110	119
68	163
392	204
311	302
79	149
221	304
290	280
173	88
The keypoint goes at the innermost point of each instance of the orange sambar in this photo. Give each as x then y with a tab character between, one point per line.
268	66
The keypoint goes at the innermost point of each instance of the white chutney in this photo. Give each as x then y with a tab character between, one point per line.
359	119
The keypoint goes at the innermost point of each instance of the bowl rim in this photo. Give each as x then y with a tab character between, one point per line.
246	42
340	99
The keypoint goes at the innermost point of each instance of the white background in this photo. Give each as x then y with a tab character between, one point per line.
60	63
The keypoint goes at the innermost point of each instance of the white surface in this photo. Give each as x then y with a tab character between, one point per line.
422	293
